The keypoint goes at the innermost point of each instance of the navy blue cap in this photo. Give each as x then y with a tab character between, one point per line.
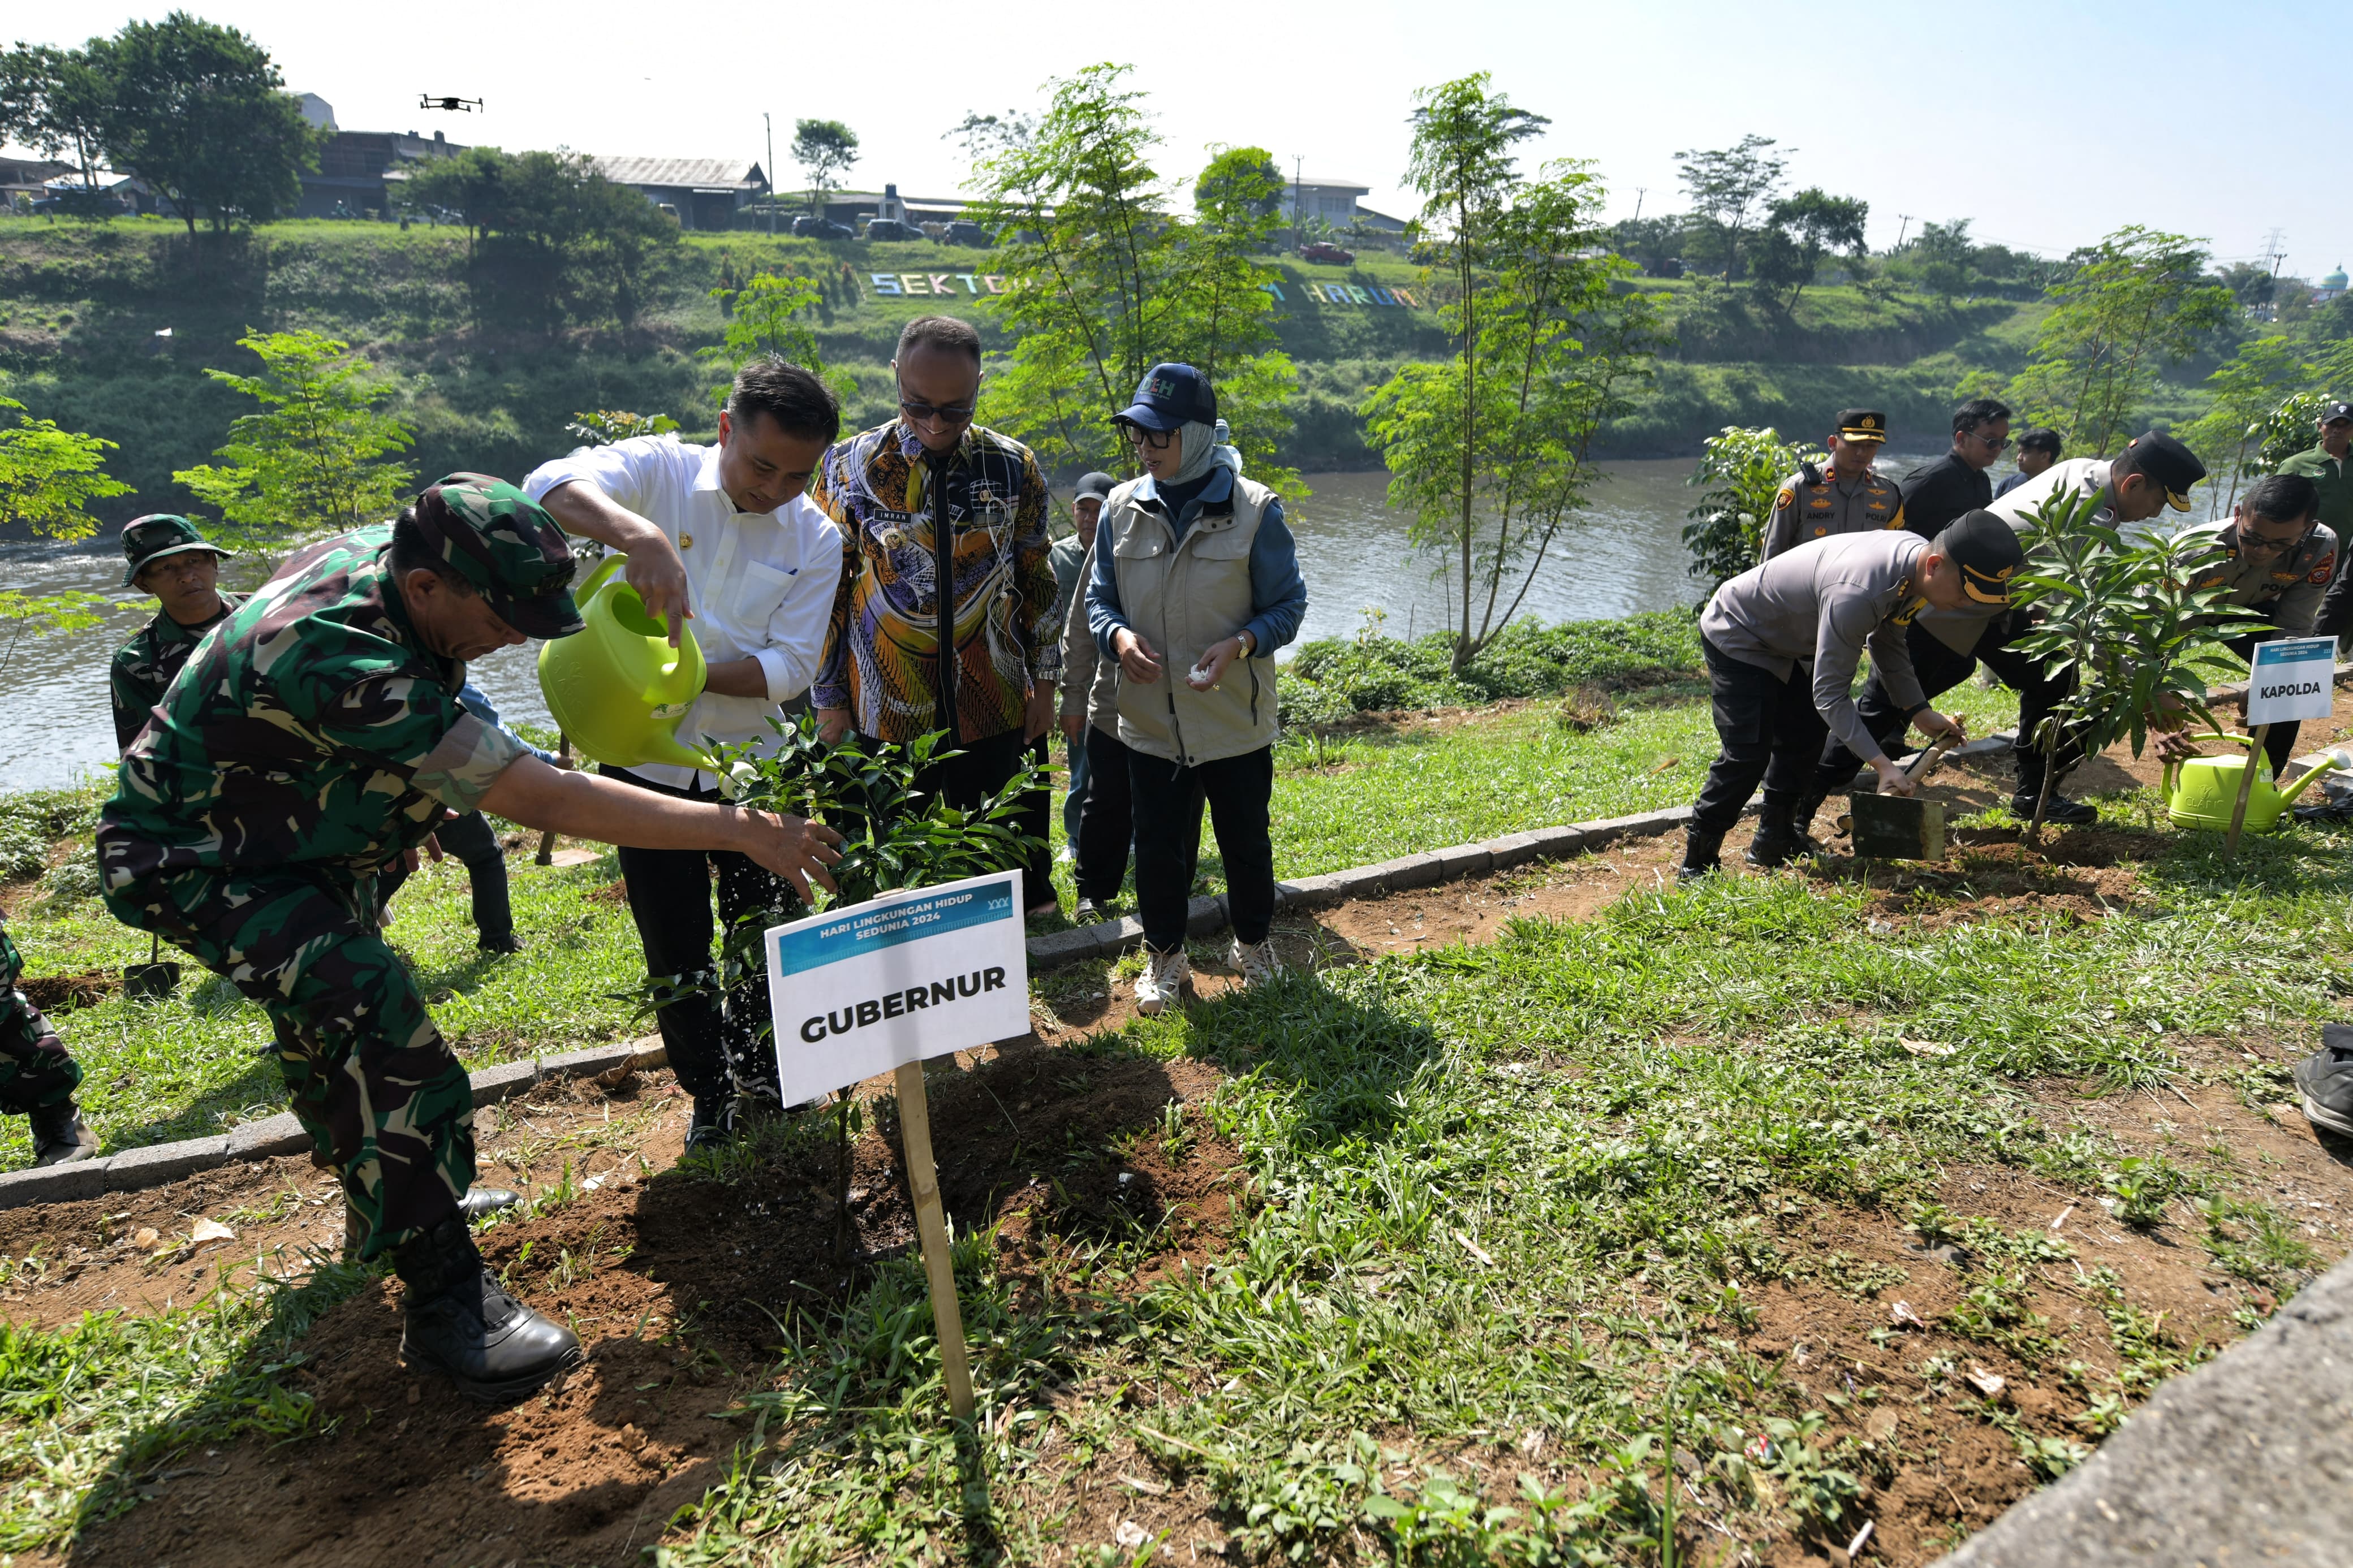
1170	395
1097	484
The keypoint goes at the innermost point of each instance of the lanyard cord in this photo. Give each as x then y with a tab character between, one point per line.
944	601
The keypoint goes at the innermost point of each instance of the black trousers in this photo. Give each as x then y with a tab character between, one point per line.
2279	744
470	840
1939	669
1106	818
1038	821
712	1043
980	769
1770	730
1167	798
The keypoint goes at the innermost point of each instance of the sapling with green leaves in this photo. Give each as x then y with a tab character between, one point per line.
1741	468
2127	616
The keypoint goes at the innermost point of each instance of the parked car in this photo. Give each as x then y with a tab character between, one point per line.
807	227
892	229
1329	254
972	233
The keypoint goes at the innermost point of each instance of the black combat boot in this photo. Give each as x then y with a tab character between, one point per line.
1701	847
481	1203
60	1137
1777	841
1802	818
460	1322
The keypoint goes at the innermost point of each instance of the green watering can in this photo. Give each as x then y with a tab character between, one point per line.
617	686
2199	791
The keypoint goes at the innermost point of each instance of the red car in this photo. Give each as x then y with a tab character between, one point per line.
1329	254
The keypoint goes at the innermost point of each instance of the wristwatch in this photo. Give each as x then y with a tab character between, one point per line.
1249	643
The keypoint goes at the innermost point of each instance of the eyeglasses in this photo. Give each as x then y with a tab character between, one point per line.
2256	541
1157	439
1989	444
923	412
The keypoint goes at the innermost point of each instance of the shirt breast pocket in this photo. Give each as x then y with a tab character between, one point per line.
758	590
1223	544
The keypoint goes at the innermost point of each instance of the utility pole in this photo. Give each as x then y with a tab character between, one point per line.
1298	162
771	126
1639	192
1902	231
2274	249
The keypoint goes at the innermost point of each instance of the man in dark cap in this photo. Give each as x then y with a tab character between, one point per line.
1849	498
1935	493
164	555
1068	560
2037	450
2326	465
315	737
2153	473
1782	641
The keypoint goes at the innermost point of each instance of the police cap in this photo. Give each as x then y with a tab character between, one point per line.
2165	462
1861	424
1987	551
501	541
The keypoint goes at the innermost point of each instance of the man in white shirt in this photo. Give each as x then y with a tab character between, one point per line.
722	537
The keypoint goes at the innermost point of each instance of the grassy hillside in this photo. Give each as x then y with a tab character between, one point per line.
81	307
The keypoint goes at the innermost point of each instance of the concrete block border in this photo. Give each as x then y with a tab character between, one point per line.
1107	939
153	1164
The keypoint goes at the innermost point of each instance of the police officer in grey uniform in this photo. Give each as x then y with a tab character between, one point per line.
2154	472
1851	498
1782	641
2277	558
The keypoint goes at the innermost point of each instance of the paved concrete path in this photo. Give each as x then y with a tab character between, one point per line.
2247	1460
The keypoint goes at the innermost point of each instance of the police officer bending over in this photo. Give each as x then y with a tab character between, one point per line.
2276	559
1782	641
317	736
1849	499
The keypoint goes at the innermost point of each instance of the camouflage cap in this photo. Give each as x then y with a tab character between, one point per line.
501	541
156	535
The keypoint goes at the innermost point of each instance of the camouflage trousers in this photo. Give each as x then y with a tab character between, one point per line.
385	1101
36	1071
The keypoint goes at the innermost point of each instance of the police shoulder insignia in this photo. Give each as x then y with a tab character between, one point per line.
2324	570
1784	498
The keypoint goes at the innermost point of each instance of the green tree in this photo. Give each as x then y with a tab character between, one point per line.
48	477
2136	300
1731	190
603	426
1106	278
1740	471
766	317
1651	243
471	184
201	114
563	245
1490	449
59	103
825	149
1801	231
2247	388
314	457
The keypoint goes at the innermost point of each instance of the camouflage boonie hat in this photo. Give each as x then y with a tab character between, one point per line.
501	541
156	535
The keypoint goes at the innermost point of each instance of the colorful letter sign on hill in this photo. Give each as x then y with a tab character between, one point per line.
958	285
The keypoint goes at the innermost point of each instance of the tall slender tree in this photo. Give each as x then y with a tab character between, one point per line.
203	116
60	102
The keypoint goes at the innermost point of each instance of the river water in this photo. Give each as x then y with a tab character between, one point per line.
1624	554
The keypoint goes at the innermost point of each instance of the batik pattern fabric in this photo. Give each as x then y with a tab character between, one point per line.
881	659
36	1069
144	667
312	738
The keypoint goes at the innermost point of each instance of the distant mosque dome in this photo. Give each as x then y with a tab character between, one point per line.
2337	279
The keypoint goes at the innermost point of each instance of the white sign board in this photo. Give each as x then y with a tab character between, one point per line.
2293	679
897	978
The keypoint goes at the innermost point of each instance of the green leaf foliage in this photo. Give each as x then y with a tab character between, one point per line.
1741	470
48	477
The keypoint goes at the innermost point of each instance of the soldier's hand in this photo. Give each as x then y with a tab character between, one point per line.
794	848
1892	780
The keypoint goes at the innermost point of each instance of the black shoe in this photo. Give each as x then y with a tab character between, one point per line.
712	1123
2324	1081
460	1322
508	943
60	1137
1702	850
2061	810
481	1203
1801	818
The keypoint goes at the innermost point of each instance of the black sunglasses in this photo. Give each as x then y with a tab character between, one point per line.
1157	439
951	413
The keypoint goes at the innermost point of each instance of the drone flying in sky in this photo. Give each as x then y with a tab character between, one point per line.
454	105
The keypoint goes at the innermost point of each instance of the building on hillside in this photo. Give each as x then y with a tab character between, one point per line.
705	192
359	170
1332	200
126	193
23	181
854	208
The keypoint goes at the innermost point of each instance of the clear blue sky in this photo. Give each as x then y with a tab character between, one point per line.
2048	125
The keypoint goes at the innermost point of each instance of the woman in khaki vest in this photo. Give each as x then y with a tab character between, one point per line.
1195	586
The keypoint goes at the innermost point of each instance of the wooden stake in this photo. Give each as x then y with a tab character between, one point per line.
2246	788
932	1226
546	856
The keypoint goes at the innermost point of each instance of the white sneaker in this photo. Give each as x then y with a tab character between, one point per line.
1166	974
1258	962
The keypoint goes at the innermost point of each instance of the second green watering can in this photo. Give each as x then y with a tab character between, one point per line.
2199	791
617	686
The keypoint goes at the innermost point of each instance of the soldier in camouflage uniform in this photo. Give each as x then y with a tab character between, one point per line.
166	557
37	1074
315	739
